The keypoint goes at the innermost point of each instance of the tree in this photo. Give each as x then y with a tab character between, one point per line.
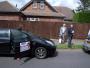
82	17
84	5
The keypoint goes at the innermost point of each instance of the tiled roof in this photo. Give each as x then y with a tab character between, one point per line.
7	7
45	14
66	11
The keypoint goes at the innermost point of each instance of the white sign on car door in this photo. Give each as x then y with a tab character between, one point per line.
24	46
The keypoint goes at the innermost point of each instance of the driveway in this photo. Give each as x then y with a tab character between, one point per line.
66	58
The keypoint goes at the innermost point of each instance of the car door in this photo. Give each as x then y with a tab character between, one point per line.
20	39
5	41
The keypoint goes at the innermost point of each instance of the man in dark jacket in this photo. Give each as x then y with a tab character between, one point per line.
70	33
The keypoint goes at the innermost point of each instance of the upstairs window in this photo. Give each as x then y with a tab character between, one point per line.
34	5
42	5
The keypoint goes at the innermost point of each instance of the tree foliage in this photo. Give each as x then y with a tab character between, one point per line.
82	17
84	5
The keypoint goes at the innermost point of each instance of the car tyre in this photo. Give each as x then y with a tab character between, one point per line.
40	52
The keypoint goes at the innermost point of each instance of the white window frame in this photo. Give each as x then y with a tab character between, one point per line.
32	19
34	5
42	5
28	19
37	19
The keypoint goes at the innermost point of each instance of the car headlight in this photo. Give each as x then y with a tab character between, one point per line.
50	42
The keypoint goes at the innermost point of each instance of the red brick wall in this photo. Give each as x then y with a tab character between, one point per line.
47	29
9	17
51	20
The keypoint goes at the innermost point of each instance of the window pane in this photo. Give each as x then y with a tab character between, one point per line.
32	19
4	34
18	36
34	5
42	6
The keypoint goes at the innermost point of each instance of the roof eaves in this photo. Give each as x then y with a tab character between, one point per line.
51	6
11	6
26	5
14	6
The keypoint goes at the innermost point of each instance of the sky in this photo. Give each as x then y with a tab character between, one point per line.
73	4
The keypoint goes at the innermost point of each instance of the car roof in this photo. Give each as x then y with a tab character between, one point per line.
7	29
4	29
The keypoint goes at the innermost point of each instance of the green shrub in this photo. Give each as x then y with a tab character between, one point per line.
82	17
65	46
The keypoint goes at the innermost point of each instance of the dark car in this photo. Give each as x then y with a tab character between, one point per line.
37	46
86	45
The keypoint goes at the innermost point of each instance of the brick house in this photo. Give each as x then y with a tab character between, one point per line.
35	10
41	10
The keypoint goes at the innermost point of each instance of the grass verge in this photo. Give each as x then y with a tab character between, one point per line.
65	46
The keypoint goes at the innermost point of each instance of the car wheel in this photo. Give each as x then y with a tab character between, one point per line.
40	52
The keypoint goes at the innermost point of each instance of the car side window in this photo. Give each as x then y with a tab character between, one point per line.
4	34
18	36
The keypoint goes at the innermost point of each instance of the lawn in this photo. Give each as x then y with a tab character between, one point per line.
65	46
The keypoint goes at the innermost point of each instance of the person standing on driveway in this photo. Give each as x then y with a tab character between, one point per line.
89	32
70	33
62	33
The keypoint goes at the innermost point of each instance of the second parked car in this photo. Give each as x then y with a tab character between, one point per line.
86	45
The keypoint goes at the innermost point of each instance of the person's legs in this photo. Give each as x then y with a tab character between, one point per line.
62	37
69	42
17	56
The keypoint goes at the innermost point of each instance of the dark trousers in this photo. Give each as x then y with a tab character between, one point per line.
16	50
17	53
70	41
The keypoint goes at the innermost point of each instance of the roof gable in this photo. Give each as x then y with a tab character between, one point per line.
31	2
5	6
48	10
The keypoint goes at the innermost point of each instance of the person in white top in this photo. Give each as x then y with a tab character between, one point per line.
88	34
62	33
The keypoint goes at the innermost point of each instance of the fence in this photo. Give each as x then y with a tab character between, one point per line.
47	29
